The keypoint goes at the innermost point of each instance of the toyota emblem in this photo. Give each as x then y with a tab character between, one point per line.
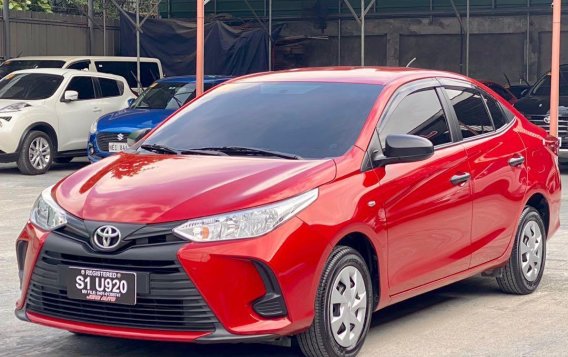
106	238
547	119
120	137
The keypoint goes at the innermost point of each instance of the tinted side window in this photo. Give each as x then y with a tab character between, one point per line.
470	110
81	65
496	113
84	86
149	72
501	91
420	114
110	87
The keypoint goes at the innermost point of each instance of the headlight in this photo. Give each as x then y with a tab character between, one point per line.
93	128
16	107
46	214
249	223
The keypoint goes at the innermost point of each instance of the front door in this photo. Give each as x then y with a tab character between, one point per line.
427	204
75	118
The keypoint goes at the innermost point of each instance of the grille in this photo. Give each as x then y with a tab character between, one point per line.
134	235
562	127
166	300
103	139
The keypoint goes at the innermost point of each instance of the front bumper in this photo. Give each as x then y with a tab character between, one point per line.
224	276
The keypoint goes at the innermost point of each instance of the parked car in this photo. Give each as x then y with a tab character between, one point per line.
502	91
294	204
45	114
110	133
536	107
150	68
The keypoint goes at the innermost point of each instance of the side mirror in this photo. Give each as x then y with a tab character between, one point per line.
70	96
404	148
130	101
136	135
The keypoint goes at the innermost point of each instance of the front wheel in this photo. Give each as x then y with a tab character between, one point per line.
343	307
36	155
525	267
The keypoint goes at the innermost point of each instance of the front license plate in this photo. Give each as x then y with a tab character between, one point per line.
117	147
108	286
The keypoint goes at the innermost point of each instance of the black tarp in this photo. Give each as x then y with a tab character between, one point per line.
228	50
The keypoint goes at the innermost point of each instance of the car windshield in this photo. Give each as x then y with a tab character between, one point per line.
10	66
542	88
165	96
29	86
305	119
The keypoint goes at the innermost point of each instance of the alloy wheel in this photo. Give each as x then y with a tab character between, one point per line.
39	153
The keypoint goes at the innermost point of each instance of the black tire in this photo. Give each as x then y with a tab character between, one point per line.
512	279
24	162
318	340
63	160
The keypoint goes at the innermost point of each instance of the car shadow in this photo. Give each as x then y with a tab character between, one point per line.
92	345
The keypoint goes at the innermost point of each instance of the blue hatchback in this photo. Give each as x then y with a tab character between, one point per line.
109	133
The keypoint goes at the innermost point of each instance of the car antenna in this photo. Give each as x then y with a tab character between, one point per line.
507	78
411	62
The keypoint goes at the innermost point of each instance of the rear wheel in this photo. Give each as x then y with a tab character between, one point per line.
36	155
525	267
343	307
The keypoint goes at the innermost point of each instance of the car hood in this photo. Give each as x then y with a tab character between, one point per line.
132	119
139	188
539	105
7	102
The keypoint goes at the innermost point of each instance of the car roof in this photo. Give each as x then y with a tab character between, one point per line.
362	75
77	58
192	79
69	72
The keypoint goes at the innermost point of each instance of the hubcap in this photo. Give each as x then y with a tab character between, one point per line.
348	307
531	251
39	153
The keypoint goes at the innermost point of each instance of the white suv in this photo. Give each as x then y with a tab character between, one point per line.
45	114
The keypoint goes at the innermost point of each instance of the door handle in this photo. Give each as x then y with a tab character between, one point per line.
516	161
460	179
96	109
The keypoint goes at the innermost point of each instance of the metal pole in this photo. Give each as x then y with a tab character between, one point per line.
200	57
339	33
6	18
467	40
138	46
527	51
362	32
104	30
91	27
270	35
555	68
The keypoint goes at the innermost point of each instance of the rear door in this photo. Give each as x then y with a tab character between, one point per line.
111	95
496	157
427	204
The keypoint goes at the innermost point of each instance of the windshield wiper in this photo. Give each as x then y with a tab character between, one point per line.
160	149
163	149
251	151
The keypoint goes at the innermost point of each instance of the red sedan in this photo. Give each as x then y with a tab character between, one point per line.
294	204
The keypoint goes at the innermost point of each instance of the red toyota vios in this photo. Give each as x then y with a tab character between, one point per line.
294	204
